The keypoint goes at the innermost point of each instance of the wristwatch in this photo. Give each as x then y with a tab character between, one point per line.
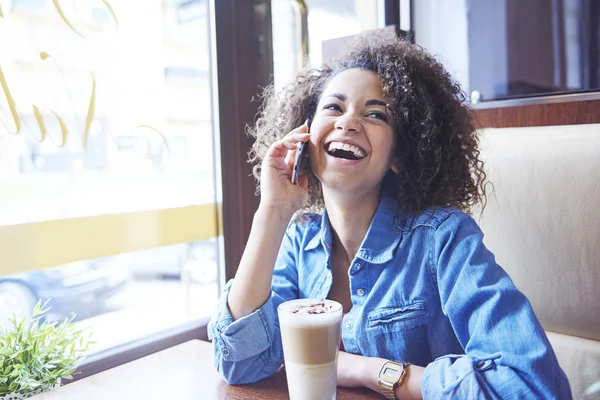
391	376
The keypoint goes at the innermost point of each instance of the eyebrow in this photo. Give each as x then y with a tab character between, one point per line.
376	103
372	102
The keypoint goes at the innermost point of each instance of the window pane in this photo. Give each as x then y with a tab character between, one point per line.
107	202
37	5
513	49
326	20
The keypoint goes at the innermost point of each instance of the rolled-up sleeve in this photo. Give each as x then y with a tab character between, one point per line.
249	349
507	354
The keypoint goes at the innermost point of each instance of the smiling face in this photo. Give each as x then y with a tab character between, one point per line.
352	133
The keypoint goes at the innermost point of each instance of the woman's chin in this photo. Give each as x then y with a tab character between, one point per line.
343	182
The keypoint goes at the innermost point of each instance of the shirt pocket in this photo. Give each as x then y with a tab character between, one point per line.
399	333
392	318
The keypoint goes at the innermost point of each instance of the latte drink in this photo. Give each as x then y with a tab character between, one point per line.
310	332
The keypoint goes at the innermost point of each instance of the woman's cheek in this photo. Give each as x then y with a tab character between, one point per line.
313	158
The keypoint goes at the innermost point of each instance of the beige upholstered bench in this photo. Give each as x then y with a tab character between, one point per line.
543	225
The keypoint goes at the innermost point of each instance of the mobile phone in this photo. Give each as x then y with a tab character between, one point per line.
301	154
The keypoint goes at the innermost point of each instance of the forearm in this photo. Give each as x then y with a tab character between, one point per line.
252	284
248	349
365	371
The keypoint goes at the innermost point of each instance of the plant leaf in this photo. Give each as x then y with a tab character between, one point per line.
35	354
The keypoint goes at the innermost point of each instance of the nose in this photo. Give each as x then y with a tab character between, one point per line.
347	123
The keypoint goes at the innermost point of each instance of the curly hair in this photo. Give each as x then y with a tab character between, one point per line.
437	142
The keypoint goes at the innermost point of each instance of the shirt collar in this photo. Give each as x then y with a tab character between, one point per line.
322	236
381	240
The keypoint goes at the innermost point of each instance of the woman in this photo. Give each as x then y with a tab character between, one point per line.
393	172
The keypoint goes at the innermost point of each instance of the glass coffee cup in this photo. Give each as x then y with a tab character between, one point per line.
310	332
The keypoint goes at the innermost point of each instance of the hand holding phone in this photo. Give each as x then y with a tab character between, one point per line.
301	154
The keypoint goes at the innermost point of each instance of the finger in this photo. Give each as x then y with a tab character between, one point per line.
289	143
292	151
281	157
287	171
291	156
285	148
301	129
296	138
279	149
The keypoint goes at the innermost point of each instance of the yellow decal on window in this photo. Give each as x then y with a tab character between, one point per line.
12	106
66	20
31	246
44	131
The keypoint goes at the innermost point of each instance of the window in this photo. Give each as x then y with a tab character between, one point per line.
185	23
29	5
513	48
107	168
190	10
326	20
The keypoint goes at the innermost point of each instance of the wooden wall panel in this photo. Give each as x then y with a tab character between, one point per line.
568	113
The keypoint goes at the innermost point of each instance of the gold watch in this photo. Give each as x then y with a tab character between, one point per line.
391	376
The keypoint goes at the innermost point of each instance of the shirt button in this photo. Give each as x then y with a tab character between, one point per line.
225	352
348	324
356	266
360	292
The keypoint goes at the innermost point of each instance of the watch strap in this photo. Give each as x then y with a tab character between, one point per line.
388	389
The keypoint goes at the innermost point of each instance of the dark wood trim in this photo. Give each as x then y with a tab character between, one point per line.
245	65
127	352
391	12
548	114
391	18
593	52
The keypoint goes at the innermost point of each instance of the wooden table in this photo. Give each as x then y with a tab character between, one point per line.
182	372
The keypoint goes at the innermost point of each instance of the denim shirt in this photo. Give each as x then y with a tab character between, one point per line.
425	290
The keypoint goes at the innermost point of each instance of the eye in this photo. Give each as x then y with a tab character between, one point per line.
378	115
333	107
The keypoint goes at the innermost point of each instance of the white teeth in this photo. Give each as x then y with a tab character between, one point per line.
347	147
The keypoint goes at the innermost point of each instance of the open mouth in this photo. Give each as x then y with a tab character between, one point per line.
345	151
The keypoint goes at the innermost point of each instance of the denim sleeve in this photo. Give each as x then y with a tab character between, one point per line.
249	349
507	354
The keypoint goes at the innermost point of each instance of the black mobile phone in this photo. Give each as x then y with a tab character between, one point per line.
301	154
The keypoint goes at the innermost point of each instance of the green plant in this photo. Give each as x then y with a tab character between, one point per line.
36	355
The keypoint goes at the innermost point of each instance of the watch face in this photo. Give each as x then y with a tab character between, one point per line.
390	374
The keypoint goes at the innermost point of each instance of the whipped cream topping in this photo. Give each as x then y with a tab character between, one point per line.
316	308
